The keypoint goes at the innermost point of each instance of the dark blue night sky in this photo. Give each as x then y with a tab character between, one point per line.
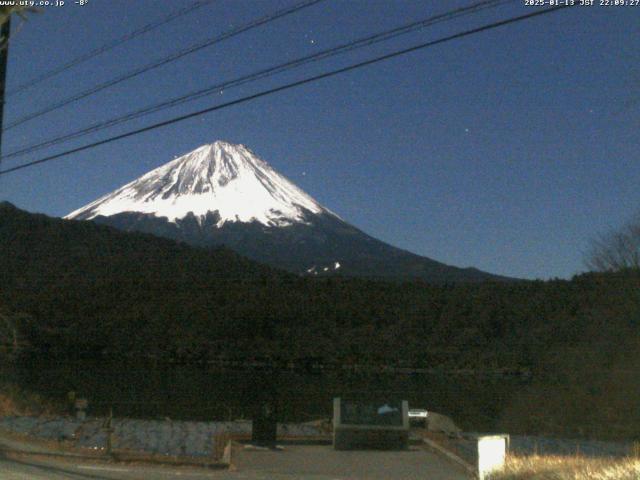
507	150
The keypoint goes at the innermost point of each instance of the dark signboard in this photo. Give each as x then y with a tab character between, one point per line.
264	426
377	413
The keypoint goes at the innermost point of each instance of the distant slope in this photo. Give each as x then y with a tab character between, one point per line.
91	288
223	194
322	245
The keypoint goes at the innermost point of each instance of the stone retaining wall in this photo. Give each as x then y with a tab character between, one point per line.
175	438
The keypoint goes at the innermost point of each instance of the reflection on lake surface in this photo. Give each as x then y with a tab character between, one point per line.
195	392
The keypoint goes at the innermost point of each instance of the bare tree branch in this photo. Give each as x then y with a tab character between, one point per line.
616	250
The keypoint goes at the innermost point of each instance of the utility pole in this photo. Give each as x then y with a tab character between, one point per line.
4	55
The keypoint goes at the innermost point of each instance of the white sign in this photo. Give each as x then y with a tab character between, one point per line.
491	454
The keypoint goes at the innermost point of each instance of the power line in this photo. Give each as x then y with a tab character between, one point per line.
109	46
163	61
288	86
5	33
261	74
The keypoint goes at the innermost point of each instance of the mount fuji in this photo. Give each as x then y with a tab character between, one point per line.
223	194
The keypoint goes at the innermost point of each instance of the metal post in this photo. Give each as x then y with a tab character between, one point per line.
108	429
5	32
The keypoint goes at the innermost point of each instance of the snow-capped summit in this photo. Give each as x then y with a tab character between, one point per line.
223	194
220	177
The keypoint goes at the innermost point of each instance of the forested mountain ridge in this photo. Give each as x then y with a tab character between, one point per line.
91	289
75	289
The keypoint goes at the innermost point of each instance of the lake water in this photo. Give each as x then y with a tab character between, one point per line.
187	392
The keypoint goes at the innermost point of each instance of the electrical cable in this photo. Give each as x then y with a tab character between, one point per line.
108	46
163	61
261	74
288	86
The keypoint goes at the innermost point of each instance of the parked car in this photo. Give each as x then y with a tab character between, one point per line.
418	417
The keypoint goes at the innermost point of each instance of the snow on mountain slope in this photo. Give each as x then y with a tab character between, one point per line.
223	194
222	177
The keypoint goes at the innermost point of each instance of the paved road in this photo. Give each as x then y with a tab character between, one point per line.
323	462
295	462
30	469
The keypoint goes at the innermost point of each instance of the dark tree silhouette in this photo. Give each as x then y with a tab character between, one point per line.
616	250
